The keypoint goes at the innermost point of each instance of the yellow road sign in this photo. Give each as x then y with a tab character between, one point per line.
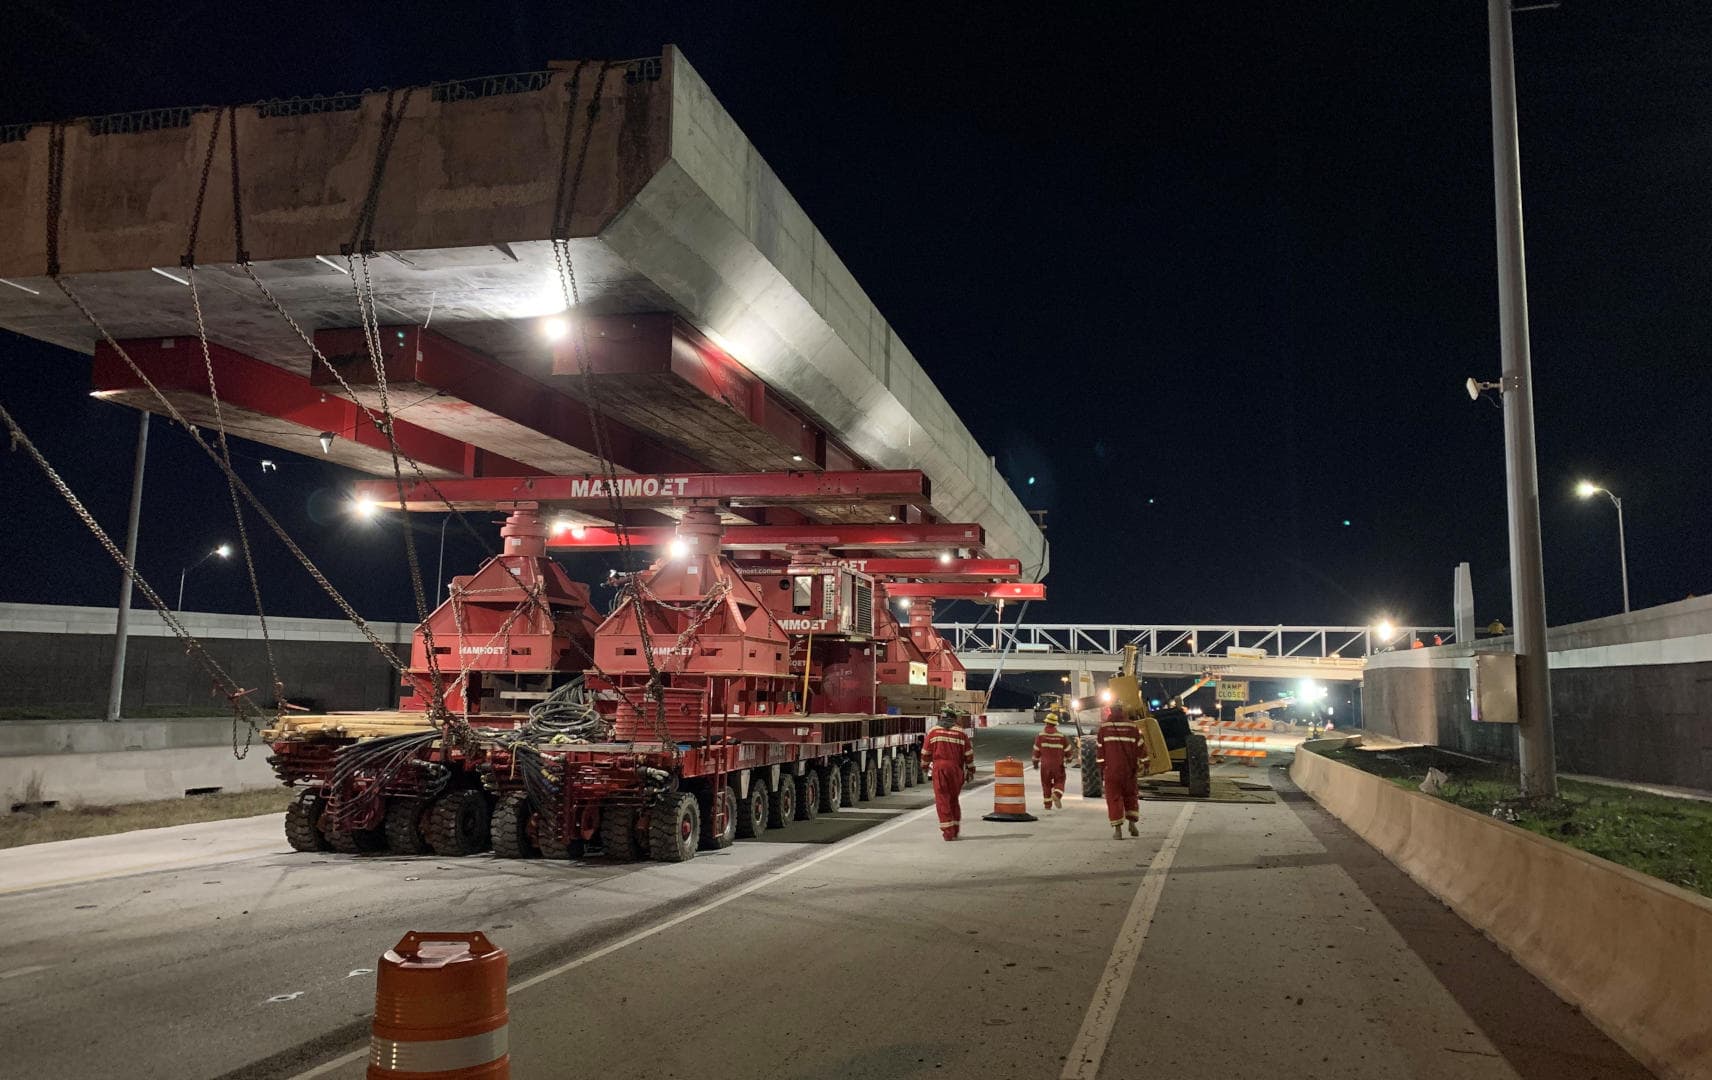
1233	689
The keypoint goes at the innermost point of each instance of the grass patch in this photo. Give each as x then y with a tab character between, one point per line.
42	826
1670	839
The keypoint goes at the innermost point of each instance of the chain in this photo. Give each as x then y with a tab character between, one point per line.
220	424
362	237
56	187
224	682
243	488
366	311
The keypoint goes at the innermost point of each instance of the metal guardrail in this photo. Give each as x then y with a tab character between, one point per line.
642	69
1209	641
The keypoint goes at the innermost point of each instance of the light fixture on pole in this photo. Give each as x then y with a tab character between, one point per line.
224	551
1586	489
326	440
1475	388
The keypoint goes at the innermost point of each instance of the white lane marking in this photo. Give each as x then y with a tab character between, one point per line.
31	970
641	935
1083	1062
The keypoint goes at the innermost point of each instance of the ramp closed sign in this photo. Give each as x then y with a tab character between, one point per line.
1233	689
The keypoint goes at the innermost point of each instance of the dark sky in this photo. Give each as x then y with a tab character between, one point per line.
1214	274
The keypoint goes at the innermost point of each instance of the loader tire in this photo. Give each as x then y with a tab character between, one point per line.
303	821
1197	774
724	838
882	777
618	835
403	827
674	827
510	827
552	845
808	795
458	823
1093	785
913	764
753	811
782	803
870	778
900	773
831	789
852	782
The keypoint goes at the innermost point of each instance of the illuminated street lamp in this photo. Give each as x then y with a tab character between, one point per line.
1586	489
1385	631
224	551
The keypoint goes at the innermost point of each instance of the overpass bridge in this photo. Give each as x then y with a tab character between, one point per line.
1330	653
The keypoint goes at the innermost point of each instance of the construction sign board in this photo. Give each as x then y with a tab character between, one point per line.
1233	689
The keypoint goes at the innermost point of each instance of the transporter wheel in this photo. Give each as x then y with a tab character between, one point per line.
303	821
403	827
458	823
1197	773
870	779
724	838
808	795
782	803
554	846
831	788
900	772
1092	785
510	827
882	777
852	782
753	811
674	827
358	842
913	765
618	834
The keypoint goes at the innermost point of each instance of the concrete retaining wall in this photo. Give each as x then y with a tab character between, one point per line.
1630	696
60	657
1632	953
101	779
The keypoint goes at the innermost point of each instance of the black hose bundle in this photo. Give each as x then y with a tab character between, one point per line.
380	762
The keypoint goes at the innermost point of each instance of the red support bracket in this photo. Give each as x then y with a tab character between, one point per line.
590	492
967	590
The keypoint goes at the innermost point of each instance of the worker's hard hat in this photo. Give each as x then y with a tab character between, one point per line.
1051	719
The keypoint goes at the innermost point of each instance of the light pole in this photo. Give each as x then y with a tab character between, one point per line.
1587	489
440	570
1536	748
224	551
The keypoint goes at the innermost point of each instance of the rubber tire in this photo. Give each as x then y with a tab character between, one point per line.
808	795
914	767
360	842
458	823
831	789
674	828
403	827
753	812
870	777
782	803
852	783
1093	785
899	773
547	838
710	842
618	836
1197	773
882	777
303	821
510	827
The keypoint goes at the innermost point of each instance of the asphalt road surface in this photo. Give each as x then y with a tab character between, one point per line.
1228	940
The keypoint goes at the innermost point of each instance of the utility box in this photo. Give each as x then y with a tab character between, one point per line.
1492	688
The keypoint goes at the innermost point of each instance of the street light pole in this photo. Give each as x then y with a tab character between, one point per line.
1622	551
223	551
1535	744
116	681
440	571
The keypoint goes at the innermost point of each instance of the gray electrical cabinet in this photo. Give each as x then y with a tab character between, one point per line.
1492	688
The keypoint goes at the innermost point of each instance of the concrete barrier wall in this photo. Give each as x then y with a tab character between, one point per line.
1629	694
1634	954
60	657
104	778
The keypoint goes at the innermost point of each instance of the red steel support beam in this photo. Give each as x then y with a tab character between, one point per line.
589	492
967	590
782	537
273	406
936	568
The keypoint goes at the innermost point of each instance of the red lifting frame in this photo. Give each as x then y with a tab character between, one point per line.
782	537
967	590
658	490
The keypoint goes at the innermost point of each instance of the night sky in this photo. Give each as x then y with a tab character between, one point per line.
1213	274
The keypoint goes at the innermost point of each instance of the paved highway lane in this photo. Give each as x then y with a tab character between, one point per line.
1229	940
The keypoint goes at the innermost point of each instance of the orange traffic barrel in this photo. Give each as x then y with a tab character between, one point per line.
1009	802
440	1010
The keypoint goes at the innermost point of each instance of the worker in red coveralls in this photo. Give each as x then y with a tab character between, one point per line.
1120	756
1049	749
950	754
